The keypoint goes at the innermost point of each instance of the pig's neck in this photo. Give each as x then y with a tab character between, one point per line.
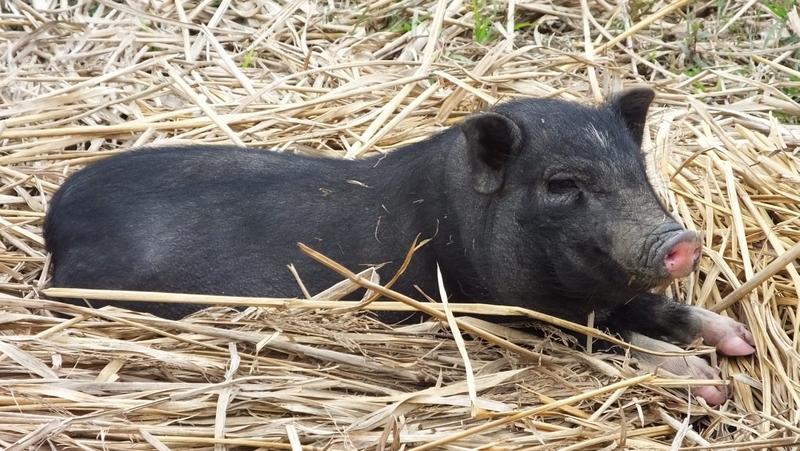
414	183
414	173
417	180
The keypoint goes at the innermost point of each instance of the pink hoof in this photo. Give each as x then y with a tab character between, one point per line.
729	337
714	396
733	345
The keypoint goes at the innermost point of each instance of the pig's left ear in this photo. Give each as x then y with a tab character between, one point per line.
632	106
492	140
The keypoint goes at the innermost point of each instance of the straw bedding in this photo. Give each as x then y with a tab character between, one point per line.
83	80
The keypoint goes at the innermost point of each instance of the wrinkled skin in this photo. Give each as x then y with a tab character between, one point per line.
539	203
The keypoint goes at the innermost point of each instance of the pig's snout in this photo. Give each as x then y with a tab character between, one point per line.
681	253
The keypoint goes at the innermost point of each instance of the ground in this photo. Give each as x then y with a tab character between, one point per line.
86	79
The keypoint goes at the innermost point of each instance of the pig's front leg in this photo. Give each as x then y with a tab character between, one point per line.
660	317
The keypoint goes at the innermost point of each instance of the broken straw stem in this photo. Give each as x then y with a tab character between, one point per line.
488	336
778	264
404	303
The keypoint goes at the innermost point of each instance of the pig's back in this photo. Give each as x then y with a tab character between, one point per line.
182	184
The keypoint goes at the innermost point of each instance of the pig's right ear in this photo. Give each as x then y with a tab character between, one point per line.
632	105
492	140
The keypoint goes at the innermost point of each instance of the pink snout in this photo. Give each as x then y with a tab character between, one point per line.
682	253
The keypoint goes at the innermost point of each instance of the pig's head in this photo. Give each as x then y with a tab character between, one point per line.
564	201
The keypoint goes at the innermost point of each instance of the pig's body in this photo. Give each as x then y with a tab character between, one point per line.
226	220
541	203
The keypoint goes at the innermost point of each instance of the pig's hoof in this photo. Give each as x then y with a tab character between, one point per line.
735	345
698	368
690	366
728	336
713	396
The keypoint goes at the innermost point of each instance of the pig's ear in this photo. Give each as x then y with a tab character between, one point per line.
492	139
632	105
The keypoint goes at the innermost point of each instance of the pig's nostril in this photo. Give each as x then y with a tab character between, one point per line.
682	257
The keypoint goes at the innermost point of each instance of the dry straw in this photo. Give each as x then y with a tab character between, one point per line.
84	79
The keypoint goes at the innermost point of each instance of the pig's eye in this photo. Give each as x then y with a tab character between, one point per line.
562	185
